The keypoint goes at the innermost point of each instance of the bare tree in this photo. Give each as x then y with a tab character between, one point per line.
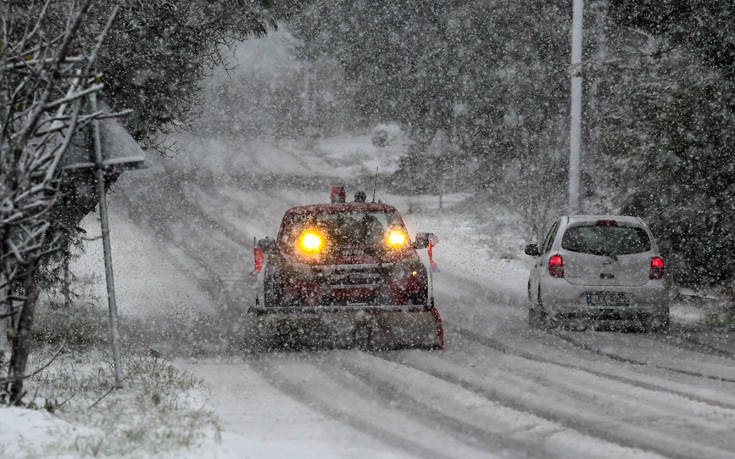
47	72
540	178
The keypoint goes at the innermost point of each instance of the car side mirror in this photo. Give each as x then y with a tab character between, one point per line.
267	244
532	250
422	240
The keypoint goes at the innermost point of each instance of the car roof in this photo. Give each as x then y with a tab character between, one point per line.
341	207
571	219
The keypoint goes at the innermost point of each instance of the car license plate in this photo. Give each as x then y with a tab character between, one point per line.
608	299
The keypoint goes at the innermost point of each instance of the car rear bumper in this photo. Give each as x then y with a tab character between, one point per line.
562	299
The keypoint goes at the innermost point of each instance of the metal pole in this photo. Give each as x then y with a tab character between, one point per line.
105	223
575	130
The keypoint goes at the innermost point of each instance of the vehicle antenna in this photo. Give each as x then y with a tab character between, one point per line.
375	184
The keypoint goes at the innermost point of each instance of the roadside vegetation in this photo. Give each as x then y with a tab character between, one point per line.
147	60
160	409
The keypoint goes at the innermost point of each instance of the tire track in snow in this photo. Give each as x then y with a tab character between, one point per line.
390	393
524	399
651	377
619	358
684	339
683	416
504	348
327	397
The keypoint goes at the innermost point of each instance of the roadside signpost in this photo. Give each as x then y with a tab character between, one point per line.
112	149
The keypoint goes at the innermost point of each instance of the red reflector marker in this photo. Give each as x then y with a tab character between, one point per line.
556	266
657	268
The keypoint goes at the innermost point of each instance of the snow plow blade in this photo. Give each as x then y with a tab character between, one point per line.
370	327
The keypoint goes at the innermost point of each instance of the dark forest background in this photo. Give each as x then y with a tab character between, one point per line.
492	78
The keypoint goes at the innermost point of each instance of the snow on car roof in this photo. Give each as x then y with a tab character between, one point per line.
341	207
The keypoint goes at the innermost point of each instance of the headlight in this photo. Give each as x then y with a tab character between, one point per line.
397	238
310	242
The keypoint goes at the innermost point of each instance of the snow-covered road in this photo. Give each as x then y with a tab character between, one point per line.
498	389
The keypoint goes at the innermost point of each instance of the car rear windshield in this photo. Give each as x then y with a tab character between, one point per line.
346	228
606	240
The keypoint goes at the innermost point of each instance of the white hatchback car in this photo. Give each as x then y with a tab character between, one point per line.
592	269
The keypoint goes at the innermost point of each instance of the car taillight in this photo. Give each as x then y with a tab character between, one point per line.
657	268
607	223
556	266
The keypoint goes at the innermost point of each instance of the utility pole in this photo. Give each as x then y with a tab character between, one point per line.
575	129
597	33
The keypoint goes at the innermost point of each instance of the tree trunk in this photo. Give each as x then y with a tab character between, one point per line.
23	338
66	284
4	309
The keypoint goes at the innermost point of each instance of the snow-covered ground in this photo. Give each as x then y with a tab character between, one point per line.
182	251
35	433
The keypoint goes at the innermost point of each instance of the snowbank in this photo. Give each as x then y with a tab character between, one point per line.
25	433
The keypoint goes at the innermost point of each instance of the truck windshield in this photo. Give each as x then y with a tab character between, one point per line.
606	240
346	228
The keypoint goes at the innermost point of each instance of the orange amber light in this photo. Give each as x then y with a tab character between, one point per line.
396	238
311	242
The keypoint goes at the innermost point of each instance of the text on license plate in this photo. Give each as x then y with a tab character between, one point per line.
608	299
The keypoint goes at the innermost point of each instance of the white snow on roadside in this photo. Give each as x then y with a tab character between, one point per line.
260	421
146	282
25	433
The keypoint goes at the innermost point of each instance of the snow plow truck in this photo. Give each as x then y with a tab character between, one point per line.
345	274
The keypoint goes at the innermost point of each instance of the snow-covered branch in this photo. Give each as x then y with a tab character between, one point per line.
43	98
